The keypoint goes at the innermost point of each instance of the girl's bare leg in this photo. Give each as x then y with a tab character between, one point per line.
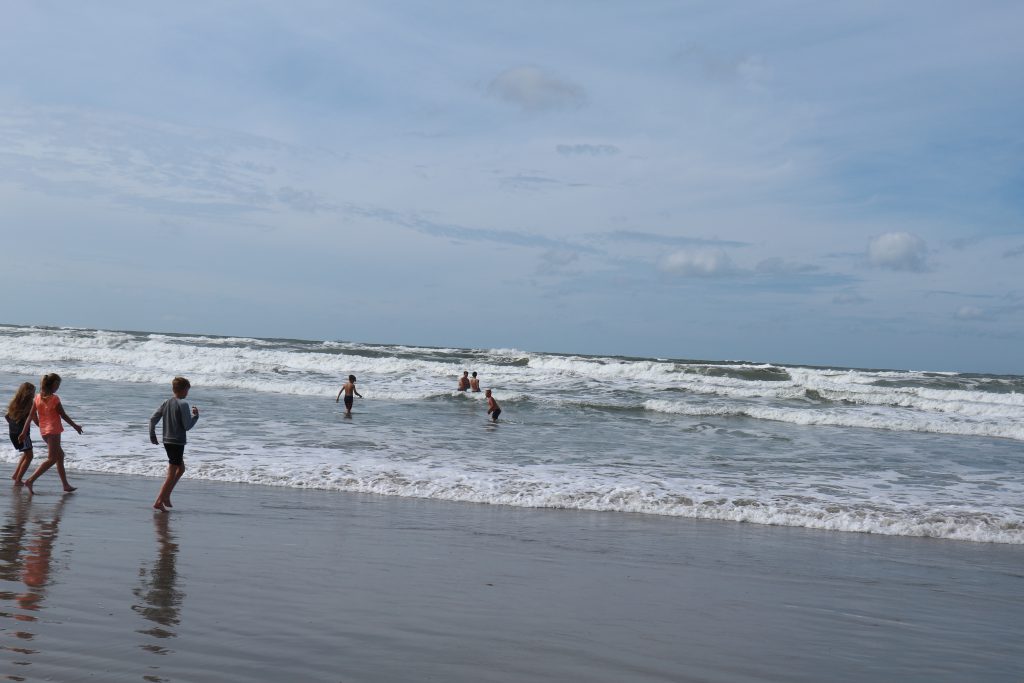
19	471
62	474
53	453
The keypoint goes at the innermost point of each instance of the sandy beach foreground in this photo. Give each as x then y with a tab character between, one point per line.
247	583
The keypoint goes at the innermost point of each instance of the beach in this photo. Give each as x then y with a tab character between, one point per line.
256	583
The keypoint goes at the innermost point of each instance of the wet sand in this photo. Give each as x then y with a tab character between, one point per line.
249	583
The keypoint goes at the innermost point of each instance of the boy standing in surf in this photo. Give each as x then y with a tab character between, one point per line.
177	420
464	381
348	389
474	383
493	409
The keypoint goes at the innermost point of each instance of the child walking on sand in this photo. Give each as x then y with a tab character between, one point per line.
47	411
348	389
177	420
493	409
17	415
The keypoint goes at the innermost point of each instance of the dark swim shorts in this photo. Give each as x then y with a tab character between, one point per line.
175	453
495	413
348	402
15	431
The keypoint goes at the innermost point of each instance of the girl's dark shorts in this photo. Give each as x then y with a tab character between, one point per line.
175	453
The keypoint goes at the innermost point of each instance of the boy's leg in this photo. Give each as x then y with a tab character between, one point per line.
165	490
175	468
178	471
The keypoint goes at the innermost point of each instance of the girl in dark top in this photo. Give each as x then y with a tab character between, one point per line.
17	413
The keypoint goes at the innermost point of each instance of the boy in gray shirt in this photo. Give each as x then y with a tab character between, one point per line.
177	420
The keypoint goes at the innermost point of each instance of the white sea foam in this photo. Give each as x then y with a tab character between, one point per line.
543	486
719	440
848	398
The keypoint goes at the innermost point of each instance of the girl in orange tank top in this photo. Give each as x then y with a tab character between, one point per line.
47	409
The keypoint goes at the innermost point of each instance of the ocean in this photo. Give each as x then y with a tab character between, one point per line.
911	453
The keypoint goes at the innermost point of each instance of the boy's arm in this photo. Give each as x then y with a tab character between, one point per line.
60	411
152	423
356	392
339	394
189	419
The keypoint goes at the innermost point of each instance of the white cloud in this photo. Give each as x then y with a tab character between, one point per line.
848	298
590	150
898	251
533	89
970	313
699	263
780	266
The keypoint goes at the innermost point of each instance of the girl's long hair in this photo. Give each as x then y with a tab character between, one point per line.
21	404
49	383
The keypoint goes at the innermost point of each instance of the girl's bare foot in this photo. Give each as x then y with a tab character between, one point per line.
69	488
28	485
19	482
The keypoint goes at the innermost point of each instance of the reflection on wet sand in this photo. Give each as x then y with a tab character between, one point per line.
159	597
27	563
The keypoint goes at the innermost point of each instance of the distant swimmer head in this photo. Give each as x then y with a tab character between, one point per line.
351	378
474	374
487	393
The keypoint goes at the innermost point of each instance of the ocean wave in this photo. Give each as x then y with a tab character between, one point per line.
944	403
563	491
899	422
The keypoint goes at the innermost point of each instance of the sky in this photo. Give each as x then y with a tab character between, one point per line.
780	181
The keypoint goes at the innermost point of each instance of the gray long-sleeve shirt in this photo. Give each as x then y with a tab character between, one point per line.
178	419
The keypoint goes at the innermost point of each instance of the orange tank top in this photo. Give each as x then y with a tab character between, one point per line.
49	416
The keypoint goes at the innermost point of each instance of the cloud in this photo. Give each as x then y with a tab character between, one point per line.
533	182
588	150
678	240
1013	253
970	313
780	266
534	90
556	261
699	263
898	251
848	298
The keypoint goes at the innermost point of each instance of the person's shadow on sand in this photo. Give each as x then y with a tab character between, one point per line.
158	592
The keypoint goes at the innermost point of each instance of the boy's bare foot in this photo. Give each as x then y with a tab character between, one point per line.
19	482
167	502
69	488
159	506
28	485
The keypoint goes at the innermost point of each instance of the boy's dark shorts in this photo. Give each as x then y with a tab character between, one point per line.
348	402
175	453
495	413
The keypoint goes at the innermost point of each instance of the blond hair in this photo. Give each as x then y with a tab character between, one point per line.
49	383
20	406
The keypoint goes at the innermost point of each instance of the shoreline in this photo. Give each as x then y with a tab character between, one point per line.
251	582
